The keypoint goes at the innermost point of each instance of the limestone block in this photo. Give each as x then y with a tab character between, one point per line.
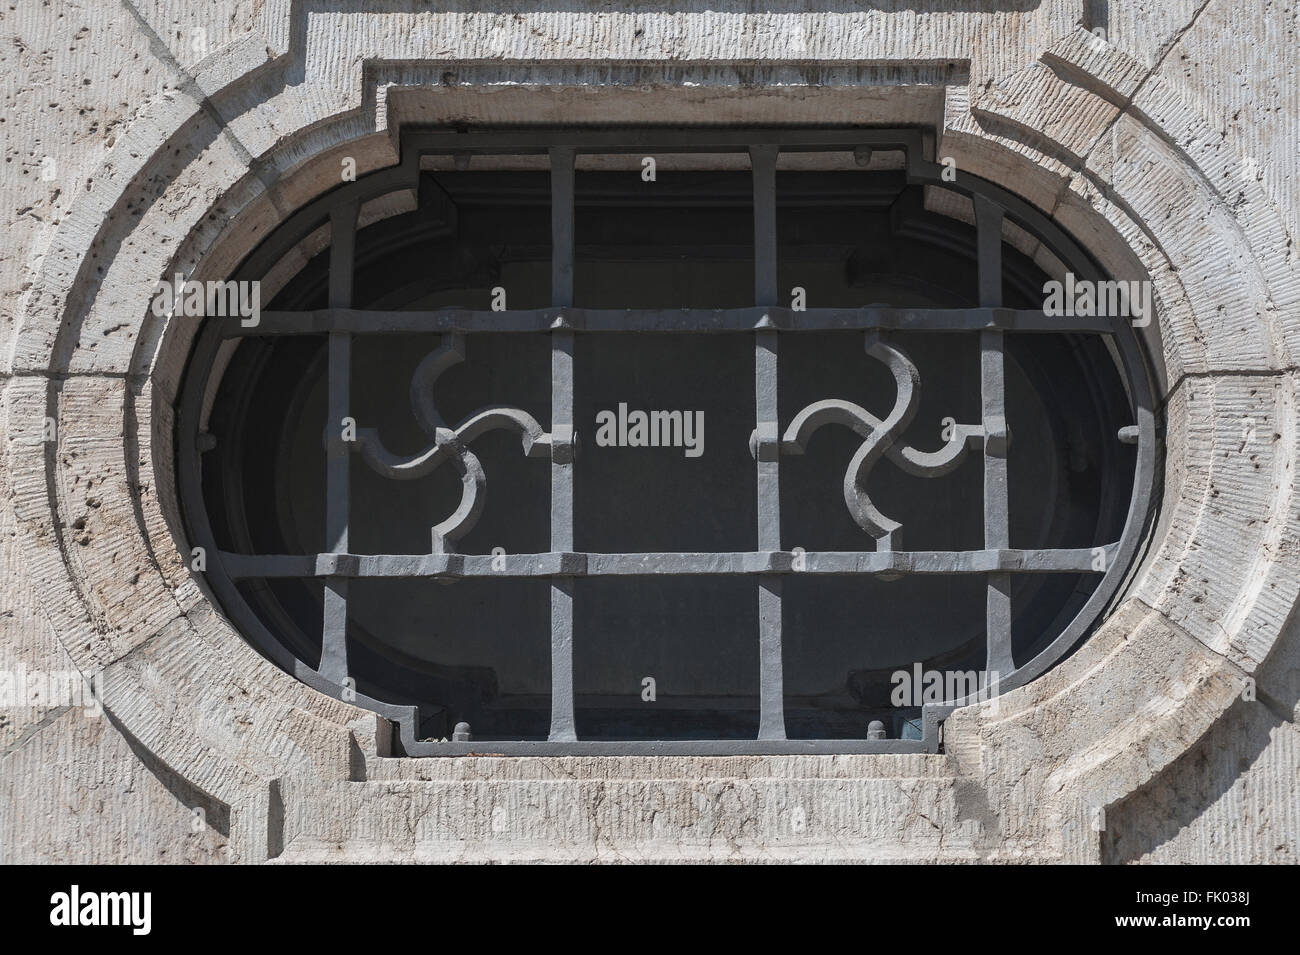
1231	799
1226	569
1201	239
78	791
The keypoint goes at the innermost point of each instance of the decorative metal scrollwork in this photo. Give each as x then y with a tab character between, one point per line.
449	444
880	439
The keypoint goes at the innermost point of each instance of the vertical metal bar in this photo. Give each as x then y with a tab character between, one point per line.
767	445
771	700
334	635
334	642
762	160
771	719
988	238
988	224
563	727
561	226
562	716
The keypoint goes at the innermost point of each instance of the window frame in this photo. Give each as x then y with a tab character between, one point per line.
767	322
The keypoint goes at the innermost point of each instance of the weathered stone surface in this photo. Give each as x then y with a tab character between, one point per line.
1230	503
1229	799
1167	151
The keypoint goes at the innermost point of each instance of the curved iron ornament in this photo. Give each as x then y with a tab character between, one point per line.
224	569
880	440
449	444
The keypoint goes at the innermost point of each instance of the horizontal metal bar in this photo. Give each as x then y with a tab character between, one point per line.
704	747
888	563
869	318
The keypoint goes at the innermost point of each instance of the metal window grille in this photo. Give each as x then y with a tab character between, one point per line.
766	323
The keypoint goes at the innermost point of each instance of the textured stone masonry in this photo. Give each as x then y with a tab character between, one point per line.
1169	152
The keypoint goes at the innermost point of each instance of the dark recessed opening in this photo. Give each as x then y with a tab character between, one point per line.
479	650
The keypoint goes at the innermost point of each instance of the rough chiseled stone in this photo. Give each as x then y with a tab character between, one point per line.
181	132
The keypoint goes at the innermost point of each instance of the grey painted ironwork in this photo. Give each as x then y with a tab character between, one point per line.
677	320
988	225
449	443
766	321
334	641
771	693
563	445
879	440
896	563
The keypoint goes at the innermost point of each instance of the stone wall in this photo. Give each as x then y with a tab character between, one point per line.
146	138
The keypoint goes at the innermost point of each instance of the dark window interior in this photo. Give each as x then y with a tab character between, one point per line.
478	650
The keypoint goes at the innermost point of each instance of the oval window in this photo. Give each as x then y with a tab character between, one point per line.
650	441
